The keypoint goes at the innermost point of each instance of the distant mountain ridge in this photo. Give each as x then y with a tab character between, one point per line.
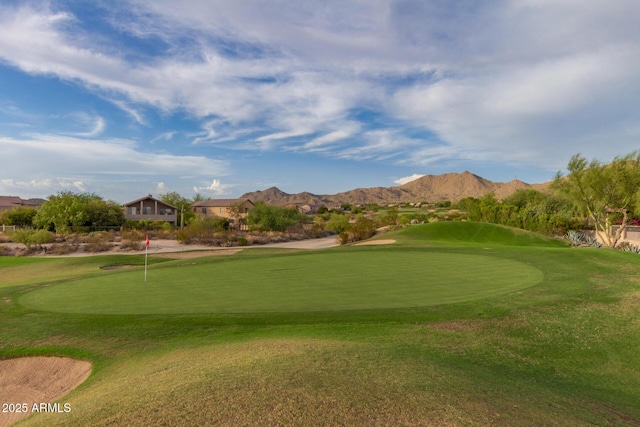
429	188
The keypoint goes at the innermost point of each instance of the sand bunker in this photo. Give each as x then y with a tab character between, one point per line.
376	242
36	380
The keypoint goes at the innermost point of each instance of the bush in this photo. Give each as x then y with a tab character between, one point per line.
206	231
338	223
133	239
33	239
264	217
99	241
362	229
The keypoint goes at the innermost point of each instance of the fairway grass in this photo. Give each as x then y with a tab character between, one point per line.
561	350
328	281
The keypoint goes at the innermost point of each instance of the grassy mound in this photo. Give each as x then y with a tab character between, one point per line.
478	233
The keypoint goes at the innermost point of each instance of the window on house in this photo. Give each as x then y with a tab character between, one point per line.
221	210
146	210
204	210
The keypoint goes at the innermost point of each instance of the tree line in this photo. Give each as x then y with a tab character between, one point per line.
594	195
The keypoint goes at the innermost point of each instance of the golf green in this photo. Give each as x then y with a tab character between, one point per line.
322	281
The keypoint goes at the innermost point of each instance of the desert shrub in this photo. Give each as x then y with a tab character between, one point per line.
390	218
132	239
99	241
265	217
33	239
338	223
64	248
204	230
363	228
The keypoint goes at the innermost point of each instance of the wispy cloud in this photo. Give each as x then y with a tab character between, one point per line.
54	162
518	81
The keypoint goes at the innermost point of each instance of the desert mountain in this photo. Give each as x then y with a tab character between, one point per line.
430	188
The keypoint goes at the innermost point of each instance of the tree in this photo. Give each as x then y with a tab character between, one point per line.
264	217
102	213
183	204
20	216
69	211
63	211
604	191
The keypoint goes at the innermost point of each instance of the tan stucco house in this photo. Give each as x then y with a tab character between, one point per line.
231	209
150	208
10	202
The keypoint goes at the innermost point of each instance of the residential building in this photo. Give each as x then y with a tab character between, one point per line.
150	208
10	202
231	209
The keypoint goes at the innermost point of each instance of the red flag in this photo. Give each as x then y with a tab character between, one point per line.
146	243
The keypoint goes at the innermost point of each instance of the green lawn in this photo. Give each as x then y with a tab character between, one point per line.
346	336
335	280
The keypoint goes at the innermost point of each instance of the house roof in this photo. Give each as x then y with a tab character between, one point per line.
219	203
149	197
8	202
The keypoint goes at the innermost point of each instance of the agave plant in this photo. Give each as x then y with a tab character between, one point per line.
593	242
628	247
576	238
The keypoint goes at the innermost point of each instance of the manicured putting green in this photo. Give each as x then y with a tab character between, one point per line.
293	283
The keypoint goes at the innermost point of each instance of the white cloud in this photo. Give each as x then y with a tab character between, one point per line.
215	188
520	81
97	125
407	179
89	165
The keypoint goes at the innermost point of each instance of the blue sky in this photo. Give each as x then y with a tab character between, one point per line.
124	98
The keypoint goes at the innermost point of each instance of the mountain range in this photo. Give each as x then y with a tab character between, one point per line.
428	188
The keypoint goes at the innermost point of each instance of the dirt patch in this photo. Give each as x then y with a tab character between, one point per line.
30	381
118	267
196	254
376	242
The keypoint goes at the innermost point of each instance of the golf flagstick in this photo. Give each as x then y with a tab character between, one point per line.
146	252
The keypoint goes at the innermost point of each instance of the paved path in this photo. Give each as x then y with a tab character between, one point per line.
168	246
163	246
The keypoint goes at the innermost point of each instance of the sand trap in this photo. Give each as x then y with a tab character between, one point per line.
34	380
376	242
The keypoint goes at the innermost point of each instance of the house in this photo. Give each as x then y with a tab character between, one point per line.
9	202
231	209
150	208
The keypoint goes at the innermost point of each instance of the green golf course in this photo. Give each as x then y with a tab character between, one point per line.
458	324
360	279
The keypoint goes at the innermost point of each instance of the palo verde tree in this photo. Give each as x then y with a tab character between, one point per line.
67	211
604	191
20	216
265	217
